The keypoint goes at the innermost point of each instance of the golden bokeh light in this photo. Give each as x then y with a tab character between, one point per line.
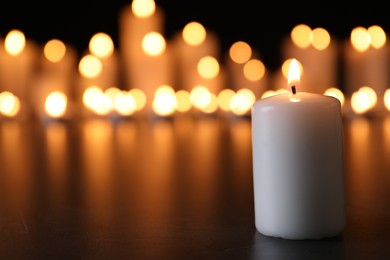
194	33
320	38
101	45
54	50
143	8
240	52
254	70
90	66
153	44
301	35
15	42
208	67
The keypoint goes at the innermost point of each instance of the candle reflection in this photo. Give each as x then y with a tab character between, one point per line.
97	170
365	172
17	169
57	161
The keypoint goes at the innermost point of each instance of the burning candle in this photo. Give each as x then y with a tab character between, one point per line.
17	64
317	52
366	62
298	173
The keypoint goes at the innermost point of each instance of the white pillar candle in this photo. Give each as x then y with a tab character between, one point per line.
298	164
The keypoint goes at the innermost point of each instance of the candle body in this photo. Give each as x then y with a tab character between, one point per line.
298	166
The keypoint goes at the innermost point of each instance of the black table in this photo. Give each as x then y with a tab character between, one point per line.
178	188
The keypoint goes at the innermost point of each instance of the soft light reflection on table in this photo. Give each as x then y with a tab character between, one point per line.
168	189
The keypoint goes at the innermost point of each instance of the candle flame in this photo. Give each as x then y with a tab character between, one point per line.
293	74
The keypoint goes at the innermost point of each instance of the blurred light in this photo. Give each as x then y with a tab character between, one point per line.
200	96
377	36
90	66
386	99
360	102
124	103
143	8
208	67
101	45
54	50
140	98
300	35
370	92
153	44
183	101
9	104
212	106
268	93
111	92
55	104
164	102
320	38
337	93
363	99
254	70
360	39
224	97
194	33
242	101
90	95
15	42
101	104
240	52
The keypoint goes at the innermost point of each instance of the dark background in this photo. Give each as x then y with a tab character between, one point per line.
261	24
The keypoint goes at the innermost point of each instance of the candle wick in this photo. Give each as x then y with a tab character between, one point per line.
294	91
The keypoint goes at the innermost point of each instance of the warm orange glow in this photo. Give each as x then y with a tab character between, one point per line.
212	106
370	92
377	36
300	35
200	96
360	102
124	103
224	97
286	67
194	33
254	70
269	93
143	8
9	104
15	42
140	98
183	101
90	95
320	38
164	102
101	45
208	67
153	44
112	93
240	52
360	39
337	93
90	66
294	75
102	104
55	104
242	101
386	99
363	99
54	50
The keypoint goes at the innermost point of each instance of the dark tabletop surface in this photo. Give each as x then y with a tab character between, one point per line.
176	188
